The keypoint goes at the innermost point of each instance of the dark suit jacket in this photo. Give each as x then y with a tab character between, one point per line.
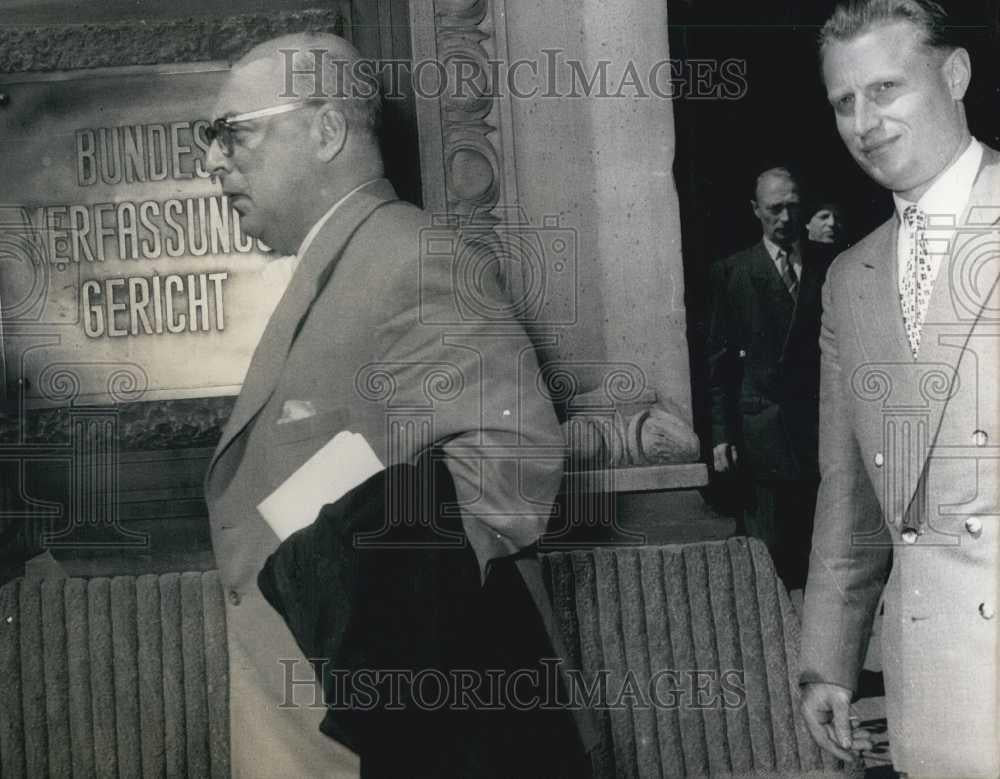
375	618
764	364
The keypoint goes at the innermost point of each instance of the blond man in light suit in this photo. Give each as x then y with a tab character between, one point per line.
909	419
370	336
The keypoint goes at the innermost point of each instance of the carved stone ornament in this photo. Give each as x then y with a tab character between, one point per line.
153	41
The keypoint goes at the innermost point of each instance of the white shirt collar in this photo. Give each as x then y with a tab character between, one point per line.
773	249
946	198
311	235
950	193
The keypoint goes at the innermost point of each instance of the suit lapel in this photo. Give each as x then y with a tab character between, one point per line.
956	306
876	300
806	302
882	380
770	287
919	390
310	277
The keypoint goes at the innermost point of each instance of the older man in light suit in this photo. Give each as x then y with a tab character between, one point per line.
909	419
373	335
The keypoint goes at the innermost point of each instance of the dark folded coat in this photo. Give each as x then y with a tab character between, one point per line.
383	588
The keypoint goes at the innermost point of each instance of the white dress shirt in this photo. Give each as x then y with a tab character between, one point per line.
943	204
795	256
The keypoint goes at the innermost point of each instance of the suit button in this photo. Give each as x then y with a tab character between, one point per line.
879	459
234	597
979	438
975	526
986	612
910	535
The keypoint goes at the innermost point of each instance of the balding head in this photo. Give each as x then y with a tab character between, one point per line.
770	176
317	66
283	169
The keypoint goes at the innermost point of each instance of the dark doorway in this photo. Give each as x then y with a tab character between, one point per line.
783	117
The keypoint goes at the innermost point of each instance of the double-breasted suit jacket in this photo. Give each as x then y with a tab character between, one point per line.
765	364
378	333
909	465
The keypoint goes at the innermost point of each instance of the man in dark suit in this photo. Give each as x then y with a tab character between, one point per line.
764	375
910	344
371	336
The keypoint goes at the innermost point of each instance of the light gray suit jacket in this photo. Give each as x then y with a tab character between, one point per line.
914	443
378	333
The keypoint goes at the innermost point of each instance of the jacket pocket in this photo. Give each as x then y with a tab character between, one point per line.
323	423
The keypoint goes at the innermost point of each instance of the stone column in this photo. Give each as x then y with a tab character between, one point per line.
608	158
572	140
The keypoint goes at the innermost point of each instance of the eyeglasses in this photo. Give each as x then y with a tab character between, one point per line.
221	130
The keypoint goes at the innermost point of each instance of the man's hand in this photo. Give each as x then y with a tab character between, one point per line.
826	710
724	454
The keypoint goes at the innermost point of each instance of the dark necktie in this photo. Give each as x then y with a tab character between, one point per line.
787	271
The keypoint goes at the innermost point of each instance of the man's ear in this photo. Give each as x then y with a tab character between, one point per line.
332	130
756	208
957	71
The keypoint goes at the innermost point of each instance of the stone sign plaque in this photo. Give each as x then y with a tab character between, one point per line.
124	274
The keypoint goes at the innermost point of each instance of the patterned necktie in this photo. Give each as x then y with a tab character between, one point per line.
915	285
787	271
